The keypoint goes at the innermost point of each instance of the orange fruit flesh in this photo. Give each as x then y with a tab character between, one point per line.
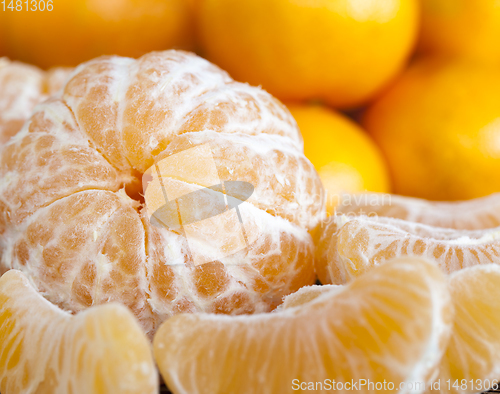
46	350
307	294
109	124
474	349
476	214
392	324
348	247
473	352
23	86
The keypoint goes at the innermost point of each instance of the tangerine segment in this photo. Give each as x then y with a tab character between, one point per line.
476	214
46	350
131	109
285	182
21	88
48	160
349	247
109	123
307	294
391	324
474	348
96	257
277	261
101	255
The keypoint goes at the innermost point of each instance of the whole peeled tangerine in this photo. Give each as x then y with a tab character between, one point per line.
112	192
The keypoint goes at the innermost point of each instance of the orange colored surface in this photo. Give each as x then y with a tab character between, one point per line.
339	51
79	30
48	351
350	246
476	214
461	28
439	129
473	351
21	88
345	157
69	224
391	324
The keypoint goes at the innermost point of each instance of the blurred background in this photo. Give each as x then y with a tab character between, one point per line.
399	96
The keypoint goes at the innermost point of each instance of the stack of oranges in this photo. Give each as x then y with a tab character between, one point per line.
158	215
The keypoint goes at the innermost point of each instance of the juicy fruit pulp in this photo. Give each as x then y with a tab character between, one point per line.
44	350
477	214
350	246
473	353
67	222
391	324
21	88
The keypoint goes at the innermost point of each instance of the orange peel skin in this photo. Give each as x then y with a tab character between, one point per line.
45	350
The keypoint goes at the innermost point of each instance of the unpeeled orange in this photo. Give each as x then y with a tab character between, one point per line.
68	32
345	157
464	28
438	127
339	51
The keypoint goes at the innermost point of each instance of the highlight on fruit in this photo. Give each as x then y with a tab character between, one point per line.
249	197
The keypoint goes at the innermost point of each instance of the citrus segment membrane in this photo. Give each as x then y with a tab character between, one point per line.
72	213
392	323
473	353
350	246
471	362
46	350
23	86
477	214
306	294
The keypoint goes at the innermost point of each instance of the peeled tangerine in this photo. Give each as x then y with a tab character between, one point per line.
21	88
349	246
471	362
83	211
45	350
476	214
390	325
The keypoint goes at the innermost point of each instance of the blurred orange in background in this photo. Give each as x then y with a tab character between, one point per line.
439	128
79	30
339	51
467	28
345	157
